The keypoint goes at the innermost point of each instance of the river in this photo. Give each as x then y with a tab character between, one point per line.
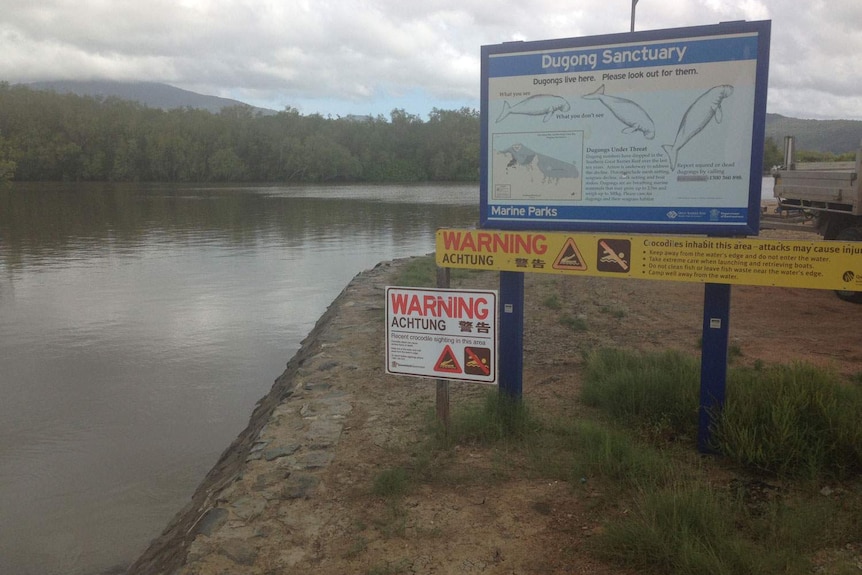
140	324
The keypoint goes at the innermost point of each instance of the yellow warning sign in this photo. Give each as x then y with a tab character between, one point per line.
741	261
570	258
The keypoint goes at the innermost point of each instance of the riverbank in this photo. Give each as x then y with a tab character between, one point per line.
294	492
273	471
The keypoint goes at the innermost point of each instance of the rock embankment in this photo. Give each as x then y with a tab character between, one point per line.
257	505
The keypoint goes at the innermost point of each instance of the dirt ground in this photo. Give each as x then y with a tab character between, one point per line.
491	519
480	510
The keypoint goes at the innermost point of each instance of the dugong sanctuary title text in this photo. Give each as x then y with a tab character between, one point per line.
674	54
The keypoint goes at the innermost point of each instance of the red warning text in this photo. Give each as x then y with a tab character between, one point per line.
494	242
439	306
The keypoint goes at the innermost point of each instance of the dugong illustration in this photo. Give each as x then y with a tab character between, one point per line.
536	105
633	116
695	119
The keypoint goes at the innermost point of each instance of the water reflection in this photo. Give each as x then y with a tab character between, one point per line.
140	324
57	219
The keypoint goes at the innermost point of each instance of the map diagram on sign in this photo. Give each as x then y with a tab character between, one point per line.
537	165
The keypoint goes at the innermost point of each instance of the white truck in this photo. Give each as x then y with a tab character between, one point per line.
827	192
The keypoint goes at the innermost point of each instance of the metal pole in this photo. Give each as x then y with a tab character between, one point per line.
443	280
789	153
713	364
634	3
511	362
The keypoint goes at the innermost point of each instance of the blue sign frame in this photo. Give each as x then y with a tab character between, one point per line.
658	131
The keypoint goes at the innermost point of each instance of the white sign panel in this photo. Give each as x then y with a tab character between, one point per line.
647	131
441	333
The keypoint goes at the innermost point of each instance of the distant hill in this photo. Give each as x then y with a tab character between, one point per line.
836	136
150	94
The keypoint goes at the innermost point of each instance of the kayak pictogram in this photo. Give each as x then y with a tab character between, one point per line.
447	363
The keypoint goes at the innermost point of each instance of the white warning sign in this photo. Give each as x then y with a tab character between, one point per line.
442	333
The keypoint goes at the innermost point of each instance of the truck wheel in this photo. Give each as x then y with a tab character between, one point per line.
850	235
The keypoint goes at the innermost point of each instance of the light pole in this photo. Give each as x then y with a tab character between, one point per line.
634	3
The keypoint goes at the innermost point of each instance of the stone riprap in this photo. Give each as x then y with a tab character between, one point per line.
265	500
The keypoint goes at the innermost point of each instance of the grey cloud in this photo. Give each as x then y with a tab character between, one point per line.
368	51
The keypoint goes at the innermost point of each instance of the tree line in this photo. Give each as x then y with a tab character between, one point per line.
46	136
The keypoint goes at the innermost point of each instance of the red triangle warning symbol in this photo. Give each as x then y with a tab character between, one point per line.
447	363
570	258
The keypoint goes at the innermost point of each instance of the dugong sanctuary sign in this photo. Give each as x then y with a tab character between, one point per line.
642	132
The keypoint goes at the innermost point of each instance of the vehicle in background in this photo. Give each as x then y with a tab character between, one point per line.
827	192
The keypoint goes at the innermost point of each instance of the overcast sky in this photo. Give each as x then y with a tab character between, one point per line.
339	57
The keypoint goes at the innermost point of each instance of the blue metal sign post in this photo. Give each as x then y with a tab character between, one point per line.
713	364
511	347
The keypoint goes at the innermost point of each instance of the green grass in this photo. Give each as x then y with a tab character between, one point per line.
800	525
688	528
552	302
785	432
614	455
418	272
390	568
652	391
391	483
792	420
613	311
574	323
422	272
498	418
